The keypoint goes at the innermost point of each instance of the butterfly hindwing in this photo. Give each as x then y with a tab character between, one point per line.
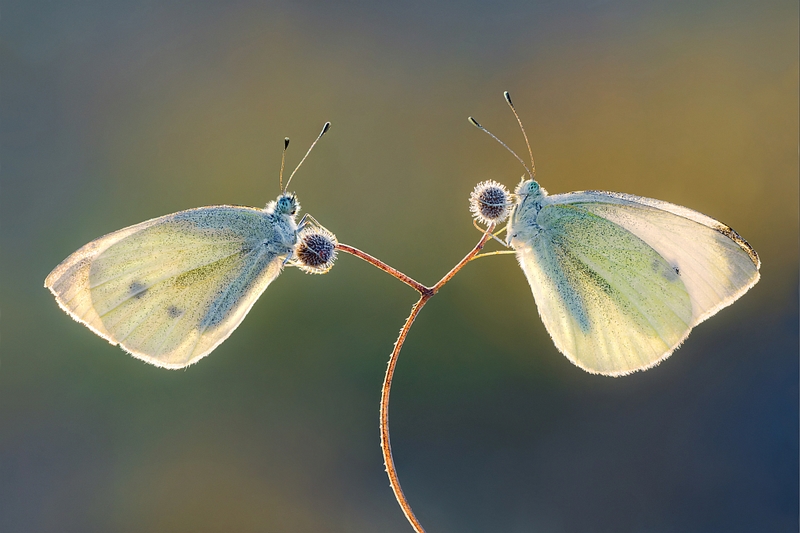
171	289
611	303
620	280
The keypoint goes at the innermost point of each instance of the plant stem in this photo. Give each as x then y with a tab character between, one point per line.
416	285
386	445
426	293
467	258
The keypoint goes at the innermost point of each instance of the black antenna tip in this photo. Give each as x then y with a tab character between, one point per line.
474	122
508	98
325	128
285	143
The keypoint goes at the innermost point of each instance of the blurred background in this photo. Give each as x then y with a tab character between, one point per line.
115	112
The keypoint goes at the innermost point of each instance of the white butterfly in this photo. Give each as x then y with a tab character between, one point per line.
621	280
171	289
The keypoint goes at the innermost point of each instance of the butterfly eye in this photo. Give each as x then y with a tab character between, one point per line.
287	204
490	202
316	251
527	187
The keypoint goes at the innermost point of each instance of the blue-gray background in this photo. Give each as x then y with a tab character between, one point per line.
115	112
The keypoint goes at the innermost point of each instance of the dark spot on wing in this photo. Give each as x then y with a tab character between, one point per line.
174	312
665	270
138	289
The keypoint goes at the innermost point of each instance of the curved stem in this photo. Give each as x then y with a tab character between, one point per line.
386	446
426	293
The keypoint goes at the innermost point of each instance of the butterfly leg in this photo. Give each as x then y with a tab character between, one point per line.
306	220
498	252
303	221
493	235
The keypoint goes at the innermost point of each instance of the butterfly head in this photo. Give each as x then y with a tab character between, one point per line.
528	188
529	196
523	216
287	204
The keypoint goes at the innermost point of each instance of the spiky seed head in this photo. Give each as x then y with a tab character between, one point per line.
316	250
490	202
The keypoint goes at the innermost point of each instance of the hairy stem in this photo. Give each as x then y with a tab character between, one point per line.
416	285
426	293
386	445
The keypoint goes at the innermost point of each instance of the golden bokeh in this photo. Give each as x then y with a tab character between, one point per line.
117	112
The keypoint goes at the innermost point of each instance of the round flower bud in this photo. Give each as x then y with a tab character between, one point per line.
316	250
490	202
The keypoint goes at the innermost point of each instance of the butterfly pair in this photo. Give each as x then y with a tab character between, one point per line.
619	280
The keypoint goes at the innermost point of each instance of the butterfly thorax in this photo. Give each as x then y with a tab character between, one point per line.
522	226
282	214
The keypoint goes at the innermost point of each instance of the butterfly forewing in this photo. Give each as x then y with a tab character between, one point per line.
173	289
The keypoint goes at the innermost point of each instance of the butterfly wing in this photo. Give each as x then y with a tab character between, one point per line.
716	264
171	289
620	280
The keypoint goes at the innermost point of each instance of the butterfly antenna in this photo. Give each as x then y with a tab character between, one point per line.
492	135
514	110
283	159
325	128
